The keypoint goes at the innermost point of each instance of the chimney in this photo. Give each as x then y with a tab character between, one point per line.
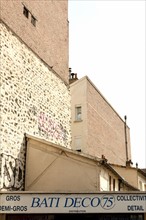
72	76
69	73
128	163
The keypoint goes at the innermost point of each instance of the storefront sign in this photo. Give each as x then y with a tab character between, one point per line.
72	203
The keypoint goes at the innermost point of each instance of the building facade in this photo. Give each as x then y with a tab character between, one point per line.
43	27
65	170
35	114
134	176
97	129
35	98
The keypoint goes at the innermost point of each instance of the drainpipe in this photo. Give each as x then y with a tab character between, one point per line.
72	76
126	138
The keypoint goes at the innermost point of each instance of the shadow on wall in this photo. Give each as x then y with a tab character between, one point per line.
13	170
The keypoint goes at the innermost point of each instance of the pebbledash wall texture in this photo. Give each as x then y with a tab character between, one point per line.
34	101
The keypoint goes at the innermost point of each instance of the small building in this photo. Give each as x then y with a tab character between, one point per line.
53	168
135	176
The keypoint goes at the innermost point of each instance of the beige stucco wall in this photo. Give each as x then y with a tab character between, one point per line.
141	182
55	169
132	176
33	100
49	39
104	180
79	128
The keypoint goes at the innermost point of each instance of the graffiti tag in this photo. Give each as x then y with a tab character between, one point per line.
12	173
49	127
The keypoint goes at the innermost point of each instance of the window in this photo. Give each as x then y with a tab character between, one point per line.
77	143
26	12
78	113
110	183
140	185
114	185
33	20
104	180
119	184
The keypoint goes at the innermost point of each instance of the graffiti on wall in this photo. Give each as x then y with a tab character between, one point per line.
50	128
11	173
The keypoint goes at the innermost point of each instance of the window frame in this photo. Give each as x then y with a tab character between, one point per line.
114	184
110	183
78	113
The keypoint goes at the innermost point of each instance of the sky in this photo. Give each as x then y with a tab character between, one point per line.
107	43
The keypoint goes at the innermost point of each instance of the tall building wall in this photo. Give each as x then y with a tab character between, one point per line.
49	37
100	131
33	101
106	130
79	127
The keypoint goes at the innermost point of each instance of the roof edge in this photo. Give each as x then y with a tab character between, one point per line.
88	79
60	147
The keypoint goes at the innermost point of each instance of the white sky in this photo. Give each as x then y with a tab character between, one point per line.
107	43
